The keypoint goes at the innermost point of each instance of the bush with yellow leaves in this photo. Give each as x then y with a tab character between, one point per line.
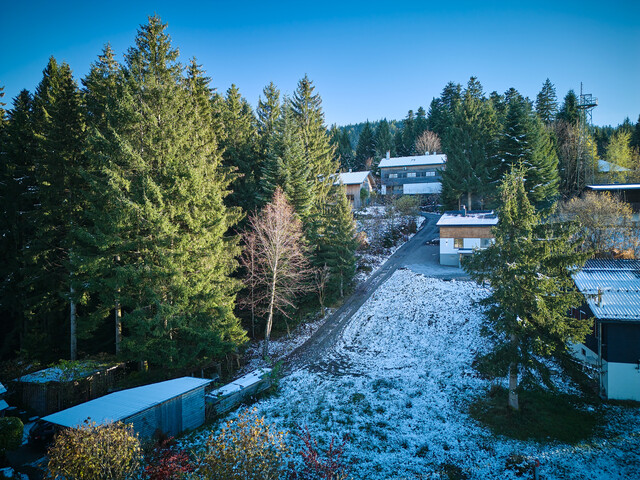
247	448
95	452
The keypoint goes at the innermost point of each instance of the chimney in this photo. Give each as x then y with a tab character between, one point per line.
388	154
599	297
464	210
349	170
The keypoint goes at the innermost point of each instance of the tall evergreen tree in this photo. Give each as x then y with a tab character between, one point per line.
635	136
421	124
569	112
17	184
525	141
547	103
366	149
469	144
159	225
441	110
384	144
529	267
58	194
408	134
239	142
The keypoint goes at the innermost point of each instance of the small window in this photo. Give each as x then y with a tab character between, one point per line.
430	174
393	175
458	242
411	174
485	242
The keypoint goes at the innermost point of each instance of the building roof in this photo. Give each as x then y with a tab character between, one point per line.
71	372
3	405
353	178
606	167
611	288
2	389
619	186
121	405
416	160
421	188
467	219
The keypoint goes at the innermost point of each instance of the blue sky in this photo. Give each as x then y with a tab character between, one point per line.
368	60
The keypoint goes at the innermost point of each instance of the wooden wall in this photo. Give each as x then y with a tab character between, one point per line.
466	232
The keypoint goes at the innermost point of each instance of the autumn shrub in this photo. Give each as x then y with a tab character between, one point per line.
11	429
246	448
168	462
316	465
94	452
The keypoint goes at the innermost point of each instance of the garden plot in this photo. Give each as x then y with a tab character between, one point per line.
399	383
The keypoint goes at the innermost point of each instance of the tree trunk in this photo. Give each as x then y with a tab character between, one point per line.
73	324
468	200
118	327
513	380
267	331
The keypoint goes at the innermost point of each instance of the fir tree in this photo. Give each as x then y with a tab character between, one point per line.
384	142
345	151
529	267
547	103
569	112
421	124
159	225
635	137
408	134
366	149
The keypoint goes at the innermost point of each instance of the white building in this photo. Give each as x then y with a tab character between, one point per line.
415	175
461	232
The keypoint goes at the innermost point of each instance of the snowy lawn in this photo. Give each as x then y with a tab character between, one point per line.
400	382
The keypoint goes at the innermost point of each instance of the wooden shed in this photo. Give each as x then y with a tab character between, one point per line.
170	407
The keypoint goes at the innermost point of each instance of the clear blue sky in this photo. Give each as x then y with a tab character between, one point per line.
368	60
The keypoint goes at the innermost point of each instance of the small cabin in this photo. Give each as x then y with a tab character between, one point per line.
226	398
170	407
354	183
462	232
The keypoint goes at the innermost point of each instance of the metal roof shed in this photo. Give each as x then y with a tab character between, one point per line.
172	407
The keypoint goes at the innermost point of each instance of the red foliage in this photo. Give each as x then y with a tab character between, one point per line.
330	466
168	463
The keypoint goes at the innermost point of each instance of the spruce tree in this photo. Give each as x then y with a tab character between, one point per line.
58	195
384	141
420	124
366	149
241	149
17	184
160	224
547	103
345	151
569	112
408	134
635	136
529	268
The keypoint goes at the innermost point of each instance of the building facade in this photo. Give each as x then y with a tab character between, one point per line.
462	232
415	175
354	182
611	290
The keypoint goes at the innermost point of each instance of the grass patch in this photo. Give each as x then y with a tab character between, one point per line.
543	416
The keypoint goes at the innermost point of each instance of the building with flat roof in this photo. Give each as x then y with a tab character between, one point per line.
461	232
414	175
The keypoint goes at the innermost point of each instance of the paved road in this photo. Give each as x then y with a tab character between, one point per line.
414	255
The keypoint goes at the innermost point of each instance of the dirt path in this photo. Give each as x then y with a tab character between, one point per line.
312	352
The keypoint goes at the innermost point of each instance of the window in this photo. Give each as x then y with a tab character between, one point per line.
458	242
485	242
393	175
430	174
411	174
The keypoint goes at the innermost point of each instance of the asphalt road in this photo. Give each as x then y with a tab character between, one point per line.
414	255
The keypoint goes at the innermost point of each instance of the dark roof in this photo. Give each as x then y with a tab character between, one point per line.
611	288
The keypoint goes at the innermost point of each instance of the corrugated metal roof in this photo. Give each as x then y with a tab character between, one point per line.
353	178
413	161
611	288
125	403
2	389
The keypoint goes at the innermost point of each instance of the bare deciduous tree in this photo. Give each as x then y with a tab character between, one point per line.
274	254
427	142
321	276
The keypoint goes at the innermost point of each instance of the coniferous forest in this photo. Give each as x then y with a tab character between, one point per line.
125	196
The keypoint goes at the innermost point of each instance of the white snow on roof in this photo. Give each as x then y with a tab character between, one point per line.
353	178
241	383
439	159
125	403
75	371
480	219
622	186
421	188
606	167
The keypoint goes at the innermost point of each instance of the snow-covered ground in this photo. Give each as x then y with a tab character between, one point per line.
399	383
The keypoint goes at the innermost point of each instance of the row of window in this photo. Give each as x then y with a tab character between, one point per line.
484	242
411	174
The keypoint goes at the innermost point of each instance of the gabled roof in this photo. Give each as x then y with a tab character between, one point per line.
353	178
611	288
121	405
416	160
467	219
